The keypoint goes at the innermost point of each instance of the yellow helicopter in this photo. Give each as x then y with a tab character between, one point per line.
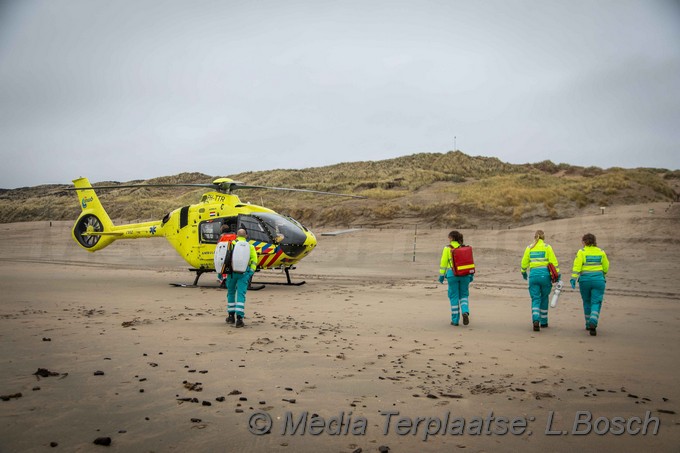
194	231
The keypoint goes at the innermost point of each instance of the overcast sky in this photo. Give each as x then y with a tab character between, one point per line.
121	90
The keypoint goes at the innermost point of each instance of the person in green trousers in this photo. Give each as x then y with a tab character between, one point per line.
590	271
536	258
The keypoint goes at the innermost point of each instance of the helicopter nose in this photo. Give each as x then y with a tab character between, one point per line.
294	239
296	248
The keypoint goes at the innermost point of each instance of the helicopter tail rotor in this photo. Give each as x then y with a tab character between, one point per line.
92	230
84	228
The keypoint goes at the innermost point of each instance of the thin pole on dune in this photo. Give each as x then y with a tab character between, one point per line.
415	237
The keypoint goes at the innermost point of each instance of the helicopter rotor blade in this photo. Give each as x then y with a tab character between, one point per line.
137	186
248	186
225	187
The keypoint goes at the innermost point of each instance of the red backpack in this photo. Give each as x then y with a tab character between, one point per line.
462	260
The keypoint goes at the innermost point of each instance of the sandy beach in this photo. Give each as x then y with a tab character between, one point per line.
362	357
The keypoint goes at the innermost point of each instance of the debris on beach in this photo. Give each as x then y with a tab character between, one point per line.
44	372
106	441
9	397
193	386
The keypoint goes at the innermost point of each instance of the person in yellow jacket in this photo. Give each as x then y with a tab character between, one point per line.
459	291
237	285
590	271
535	259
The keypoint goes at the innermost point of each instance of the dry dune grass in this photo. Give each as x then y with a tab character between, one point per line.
428	188
524	192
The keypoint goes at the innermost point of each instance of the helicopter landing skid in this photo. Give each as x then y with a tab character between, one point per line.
199	272
288	282
251	287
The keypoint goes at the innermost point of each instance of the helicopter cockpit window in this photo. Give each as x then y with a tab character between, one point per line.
284	230
255	229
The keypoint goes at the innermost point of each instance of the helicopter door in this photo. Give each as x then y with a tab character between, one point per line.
211	230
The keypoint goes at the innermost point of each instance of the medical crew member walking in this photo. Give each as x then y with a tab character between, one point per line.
590	270
237	285
536	258
459	291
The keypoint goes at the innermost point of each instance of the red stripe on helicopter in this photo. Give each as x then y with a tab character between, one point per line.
263	248
268	249
272	259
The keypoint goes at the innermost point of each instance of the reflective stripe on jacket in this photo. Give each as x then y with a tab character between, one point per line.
539	256
590	261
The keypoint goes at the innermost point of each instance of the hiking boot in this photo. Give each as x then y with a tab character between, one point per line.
466	319
593	330
537	328
230	319
454	323
239	321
